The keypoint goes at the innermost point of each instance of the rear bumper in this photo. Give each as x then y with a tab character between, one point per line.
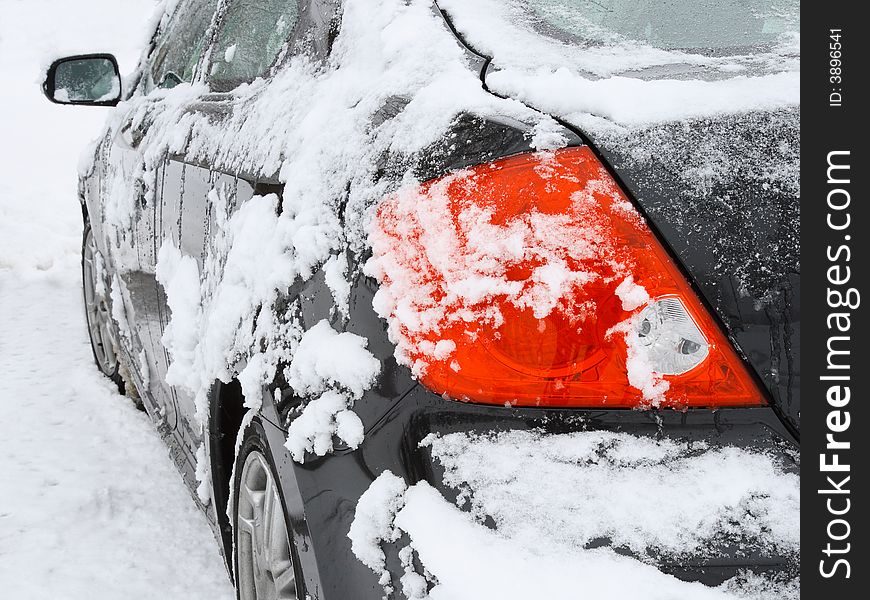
328	488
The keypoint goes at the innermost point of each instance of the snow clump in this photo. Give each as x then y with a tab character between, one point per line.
374	523
335	369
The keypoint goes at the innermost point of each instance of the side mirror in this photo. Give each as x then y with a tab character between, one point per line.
89	79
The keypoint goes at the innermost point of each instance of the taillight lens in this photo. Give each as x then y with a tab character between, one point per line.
533	281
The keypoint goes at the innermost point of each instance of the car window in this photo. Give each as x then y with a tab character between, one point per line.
714	25
249	40
182	43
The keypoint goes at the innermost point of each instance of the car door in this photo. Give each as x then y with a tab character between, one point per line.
188	214
133	194
248	39
175	63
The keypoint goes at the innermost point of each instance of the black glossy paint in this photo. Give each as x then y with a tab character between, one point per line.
320	496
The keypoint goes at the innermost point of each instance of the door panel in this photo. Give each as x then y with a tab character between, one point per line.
182	189
129	224
194	212
188	219
168	231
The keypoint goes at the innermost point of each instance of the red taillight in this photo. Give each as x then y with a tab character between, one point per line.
533	281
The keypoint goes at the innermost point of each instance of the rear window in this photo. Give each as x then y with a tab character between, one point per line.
249	40
717	26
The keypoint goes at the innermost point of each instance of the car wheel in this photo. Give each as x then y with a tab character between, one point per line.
264	562
98	313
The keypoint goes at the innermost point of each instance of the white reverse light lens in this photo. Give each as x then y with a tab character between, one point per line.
670	338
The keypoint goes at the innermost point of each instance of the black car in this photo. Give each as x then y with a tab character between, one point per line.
187	309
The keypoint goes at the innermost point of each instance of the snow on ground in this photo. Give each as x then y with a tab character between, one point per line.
90	503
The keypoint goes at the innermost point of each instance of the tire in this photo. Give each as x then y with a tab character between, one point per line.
265	565
98	313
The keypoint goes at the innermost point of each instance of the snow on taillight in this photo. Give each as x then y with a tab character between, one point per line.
533	281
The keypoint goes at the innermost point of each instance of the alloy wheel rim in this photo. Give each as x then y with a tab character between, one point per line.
97	312
265	567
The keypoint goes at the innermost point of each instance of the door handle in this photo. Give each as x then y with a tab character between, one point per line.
139	192
132	135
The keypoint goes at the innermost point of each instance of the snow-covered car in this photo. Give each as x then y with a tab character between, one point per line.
461	298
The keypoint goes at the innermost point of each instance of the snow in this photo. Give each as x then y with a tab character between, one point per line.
644	494
324	417
639	367
216	328
373	522
641	372
327	157
336	369
336	277
230	53
119	313
632	295
91	505
486	565
325	357
179	276
547	135
668	497
574	80
632	101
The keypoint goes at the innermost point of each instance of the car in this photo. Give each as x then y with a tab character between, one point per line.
317	233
